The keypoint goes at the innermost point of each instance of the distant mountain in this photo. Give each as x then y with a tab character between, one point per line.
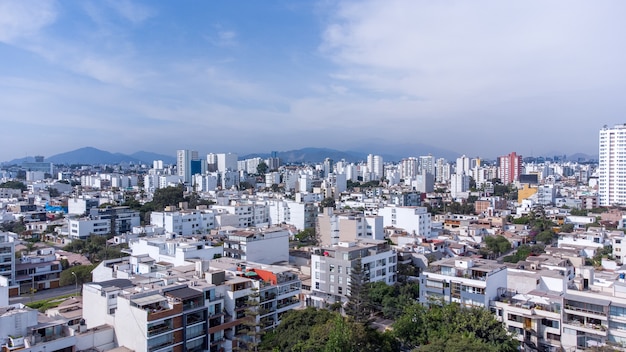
395	152
582	157
311	155
28	159
149	157
90	155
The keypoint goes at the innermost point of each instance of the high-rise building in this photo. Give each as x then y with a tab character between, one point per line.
427	164
375	165
462	165
188	164
509	168
227	162
612	180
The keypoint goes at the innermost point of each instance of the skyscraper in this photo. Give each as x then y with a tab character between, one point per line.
612	178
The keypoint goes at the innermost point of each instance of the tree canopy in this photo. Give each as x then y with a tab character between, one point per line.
449	327
14	185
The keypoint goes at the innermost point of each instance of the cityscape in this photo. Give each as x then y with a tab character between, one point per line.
327	175
212	252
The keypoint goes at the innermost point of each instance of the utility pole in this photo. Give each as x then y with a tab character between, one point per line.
75	282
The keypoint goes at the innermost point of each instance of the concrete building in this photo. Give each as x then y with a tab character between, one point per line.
198	307
375	166
611	178
414	220
184	222
331	268
467	281
267	246
227	162
509	168
113	220
334	227
188	163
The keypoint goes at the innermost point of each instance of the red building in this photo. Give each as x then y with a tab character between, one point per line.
510	168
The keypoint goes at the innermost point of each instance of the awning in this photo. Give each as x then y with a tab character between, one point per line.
144	301
584	299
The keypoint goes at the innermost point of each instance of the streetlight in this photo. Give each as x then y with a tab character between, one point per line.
76	282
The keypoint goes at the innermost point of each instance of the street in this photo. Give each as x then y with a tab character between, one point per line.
44	294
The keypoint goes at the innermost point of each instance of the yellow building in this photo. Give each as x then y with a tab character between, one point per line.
525	192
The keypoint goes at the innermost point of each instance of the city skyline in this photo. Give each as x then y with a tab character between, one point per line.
483	79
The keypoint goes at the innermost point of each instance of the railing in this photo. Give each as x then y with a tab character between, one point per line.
158	330
579	309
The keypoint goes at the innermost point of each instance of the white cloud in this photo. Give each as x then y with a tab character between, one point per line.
131	11
24	18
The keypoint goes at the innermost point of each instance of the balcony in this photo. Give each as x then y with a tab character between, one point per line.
159	329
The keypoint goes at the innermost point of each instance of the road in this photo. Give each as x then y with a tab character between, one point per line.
44	294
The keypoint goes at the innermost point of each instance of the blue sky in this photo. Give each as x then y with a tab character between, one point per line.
479	77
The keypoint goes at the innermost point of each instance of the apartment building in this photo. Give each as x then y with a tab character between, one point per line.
334	227
184	222
331	268
113	220
7	261
245	214
467	281
414	220
261	245
198	307
611	179
38	270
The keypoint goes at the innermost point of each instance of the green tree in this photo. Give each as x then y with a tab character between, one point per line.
442	322
306	235
358	306
251	326
14	185
82	272
497	244
546	236
171	195
327	202
262	168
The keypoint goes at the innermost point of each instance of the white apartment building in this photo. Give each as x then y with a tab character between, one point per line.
247	214
375	166
414	220
334	227
331	268
115	220
178	251
184	222
611	177
227	162
302	215
7	261
469	282
266	246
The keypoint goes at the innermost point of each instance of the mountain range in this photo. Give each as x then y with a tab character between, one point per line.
90	155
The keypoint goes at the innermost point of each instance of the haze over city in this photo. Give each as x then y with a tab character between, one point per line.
481	78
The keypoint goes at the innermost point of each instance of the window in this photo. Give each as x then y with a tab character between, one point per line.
317	285
332	278
331	267
340	290
339	270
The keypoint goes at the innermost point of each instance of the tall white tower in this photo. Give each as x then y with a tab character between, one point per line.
375	165
612	178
